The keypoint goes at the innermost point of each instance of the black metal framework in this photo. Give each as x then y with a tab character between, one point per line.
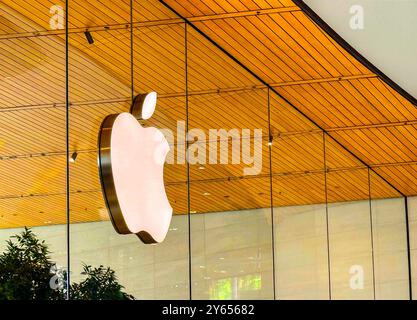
187	125
187	25
357	55
67	152
345	45
271	195
371	224
327	217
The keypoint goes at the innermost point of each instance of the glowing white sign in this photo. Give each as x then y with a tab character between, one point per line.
131	162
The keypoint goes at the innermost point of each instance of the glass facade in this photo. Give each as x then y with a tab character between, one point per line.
266	204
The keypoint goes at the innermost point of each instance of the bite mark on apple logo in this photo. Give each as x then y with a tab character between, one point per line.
131	162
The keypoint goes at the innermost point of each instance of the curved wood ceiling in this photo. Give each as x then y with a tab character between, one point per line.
314	84
345	98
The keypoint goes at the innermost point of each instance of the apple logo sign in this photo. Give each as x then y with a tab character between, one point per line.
131	163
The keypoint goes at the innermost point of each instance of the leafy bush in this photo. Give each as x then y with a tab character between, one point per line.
100	284
26	272
25	269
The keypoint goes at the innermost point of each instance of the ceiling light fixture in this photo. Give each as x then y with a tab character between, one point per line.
271	140
89	37
73	157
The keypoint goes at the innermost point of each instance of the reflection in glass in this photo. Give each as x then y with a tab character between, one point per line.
268	206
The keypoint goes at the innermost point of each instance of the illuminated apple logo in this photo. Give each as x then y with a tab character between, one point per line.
131	163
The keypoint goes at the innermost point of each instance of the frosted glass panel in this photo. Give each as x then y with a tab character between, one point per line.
412	214
351	270
231	255
301	252
390	249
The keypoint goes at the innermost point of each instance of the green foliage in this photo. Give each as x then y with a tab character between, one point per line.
221	290
100	284
25	269
26	272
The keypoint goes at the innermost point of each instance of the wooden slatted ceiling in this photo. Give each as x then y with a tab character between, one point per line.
378	187
289	46
288	56
349	103
407	174
222	94
200	8
83	13
390	145
88	206
160	67
28	66
289	188
47	172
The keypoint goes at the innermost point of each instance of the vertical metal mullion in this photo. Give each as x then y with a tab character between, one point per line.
372	232
407	226
327	216
67	187
271	194
187	162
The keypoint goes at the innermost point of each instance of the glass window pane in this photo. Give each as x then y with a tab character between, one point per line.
101	77
32	150
231	229
390	241
299	214
350	225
